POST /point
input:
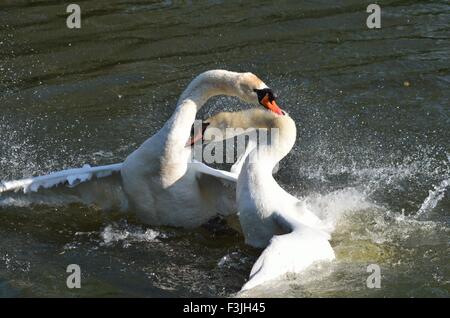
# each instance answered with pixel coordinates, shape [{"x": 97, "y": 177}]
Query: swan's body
[{"x": 270, "y": 217}]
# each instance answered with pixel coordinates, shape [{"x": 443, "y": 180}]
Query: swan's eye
[
  {"x": 266, "y": 97},
  {"x": 265, "y": 92}
]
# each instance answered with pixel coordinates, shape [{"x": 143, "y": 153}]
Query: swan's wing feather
[
  {"x": 100, "y": 186},
  {"x": 291, "y": 223},
  {"x": 202, "y": 168},
  {"x": 290, "y": 253},
  {"x": 70, "y": 177},
  {"x": 218, "y": 187}
]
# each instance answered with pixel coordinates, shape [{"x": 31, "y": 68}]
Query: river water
[{"x": 372, "y": 155}]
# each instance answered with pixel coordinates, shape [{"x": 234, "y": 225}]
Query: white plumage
[{"x": 293, "y": 237}]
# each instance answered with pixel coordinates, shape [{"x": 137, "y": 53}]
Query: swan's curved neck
[
  {"x": 207, "y": 85},
  {"x": 280, "y": 132},
  {"x": 203, "y": 87},
  {"x": 266, "y": 156}
]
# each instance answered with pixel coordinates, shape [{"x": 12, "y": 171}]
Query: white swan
[
  {"x": 161, "y": 183},
  {"x": 271, "y": 218}
]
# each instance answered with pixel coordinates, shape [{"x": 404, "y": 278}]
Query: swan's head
[
  {"x": 254, "y": 91},
  {"x": 226, "y": 125}
]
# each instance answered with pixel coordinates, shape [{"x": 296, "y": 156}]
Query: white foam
[
  {"x": 331, "y": 207},
  {"x": 113, "y": 234}
]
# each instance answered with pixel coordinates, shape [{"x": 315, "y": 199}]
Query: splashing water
[
  {"x": 128, "y": 235},
  {"x": 433, "y": 199},
  {"x": 121, "y": 233},
  {"x": 371, "y": 157}
]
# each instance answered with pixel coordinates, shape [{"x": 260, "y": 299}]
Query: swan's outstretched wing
[
  {"x": 200, "y": 167},
  {"x": 290, "y": 253},
  {"x": 218, "y": 187},
  {"x": 69, "y": 177},
  {"x": 100, "y": 186}
]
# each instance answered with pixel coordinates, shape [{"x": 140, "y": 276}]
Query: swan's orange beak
[
  {"x": 271, "y": 104},
  {"x": 196, "y": 136},
  {"x": 194, "y": 139},
  {"x": 266, "y": 97}
]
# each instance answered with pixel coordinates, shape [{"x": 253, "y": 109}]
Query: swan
[
  {"x": 271, "y": 218},
  {"x": 162, "y": 187},
  {"x": 160, "y": 181}
]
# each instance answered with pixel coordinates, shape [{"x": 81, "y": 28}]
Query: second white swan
[{"x": 271, "y": 218}]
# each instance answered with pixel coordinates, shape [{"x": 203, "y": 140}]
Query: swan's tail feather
[{"x": 70, "y": 177}]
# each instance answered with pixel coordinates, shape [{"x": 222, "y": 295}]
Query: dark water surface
[{"x": 373, "y": 154}]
